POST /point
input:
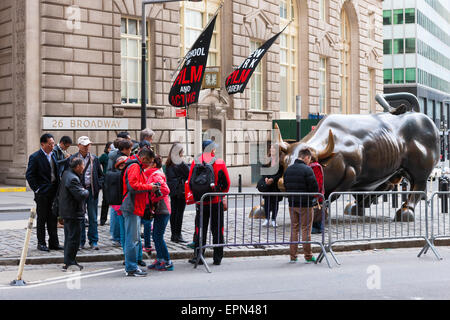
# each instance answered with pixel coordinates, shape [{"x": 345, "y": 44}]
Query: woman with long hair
[{"x": 177, "y": 172}]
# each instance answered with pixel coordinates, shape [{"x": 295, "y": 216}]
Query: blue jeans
[
  {"x": 147, "y": 232},
  {"x": 114, "y": 228},
  {"x": 159, "y": 227},
  {"x": 121, "y": 223},
  {"x": 92, "y": 210}
]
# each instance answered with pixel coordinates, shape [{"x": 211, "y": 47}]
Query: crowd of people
[{"x": 67, "y": 187}]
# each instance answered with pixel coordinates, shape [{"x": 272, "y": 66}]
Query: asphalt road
[{"x": 382, "y": 274}]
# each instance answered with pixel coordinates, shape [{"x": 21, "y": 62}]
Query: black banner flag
[
  {"x": 189, "y": 80},
  {"x": 238, "y": 79}
]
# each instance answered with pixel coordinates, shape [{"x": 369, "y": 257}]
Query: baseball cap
[
  {"x": 209, "y": 144},
  {"x": 84, "y": 141}
]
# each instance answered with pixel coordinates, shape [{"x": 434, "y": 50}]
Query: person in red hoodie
[
  {"x": 161, "y": 207},
  {"x": 317, "y": 226},
  {"x": 212, "y": 209},
  {"x": 135, "y": 192}
]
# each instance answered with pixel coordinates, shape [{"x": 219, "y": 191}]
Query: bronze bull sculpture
[{"x": 373, "y": 152}]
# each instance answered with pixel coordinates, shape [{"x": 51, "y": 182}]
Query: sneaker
[
  {"x": 217, "y": 262},
  {"x": 293, "y": 260},
  {"x": 141, "y": 263},
  {"x": 312, "y": 260},
  {"x": 163, "y": 266},
  {"x": 136, "y": 273},
  {"x": 169, "y": 266},
  {"x": 274, "y": 224},
  {"x": 265, "y": 223},
  {"x": 191, "y": 245},
  {"x": 153, "y": 264},
  {"x": 64, "y": 268},
  {"x": 94, "y": 246}
]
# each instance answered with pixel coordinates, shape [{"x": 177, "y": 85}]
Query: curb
[{"x": 234, "y": 253}]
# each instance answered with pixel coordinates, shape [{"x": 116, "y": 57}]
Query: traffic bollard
[{"x": 18, "y": 281}]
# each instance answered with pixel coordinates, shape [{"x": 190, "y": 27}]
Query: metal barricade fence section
[
  {"x": 244, "y": 222},
  {"x": 440, "y": 216}
]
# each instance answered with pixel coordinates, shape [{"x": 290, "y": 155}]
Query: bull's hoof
[
  {"x": 353, "y": 210},
  {"x": 404, "y": 215}
]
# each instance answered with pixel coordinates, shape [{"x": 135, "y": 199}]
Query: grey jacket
[{"x": 72, "y": 196}]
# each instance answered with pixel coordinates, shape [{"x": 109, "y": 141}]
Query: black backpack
[
  {"x": 202, "y": 178},
  {"x": 113, "y": 185}
]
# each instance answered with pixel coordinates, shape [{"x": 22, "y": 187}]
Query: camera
[{"x": 158, "y": 192}]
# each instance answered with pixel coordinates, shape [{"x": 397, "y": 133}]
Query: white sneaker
[
  {"x": 265, "y": 223},
  {"x": 274, "y": 224}
]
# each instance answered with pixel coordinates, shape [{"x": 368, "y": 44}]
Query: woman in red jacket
[
  {"x": 317, "y": 226},
  {"x": 161, "y": 206}
]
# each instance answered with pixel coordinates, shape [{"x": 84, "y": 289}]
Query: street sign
[
  {"x": 181, "y": 113},
  {"x": 75, "y": 123}
]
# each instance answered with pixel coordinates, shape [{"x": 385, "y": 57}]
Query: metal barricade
[
  {"x": 372, "y": 216},
  {"x": 439, "y": 219},
  {"x": 242, "y": 227}
]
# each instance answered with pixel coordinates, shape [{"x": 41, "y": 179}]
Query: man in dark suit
[{"x": 43, "y": 178}]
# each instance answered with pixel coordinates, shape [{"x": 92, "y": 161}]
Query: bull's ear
[
  {"x": 283, "y": 145},
  {"x": 325, "y": 162}
]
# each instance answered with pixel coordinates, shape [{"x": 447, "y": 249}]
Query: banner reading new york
[
  {"x": 186, "y": 87},
  {"x": 238, "y": 79}
]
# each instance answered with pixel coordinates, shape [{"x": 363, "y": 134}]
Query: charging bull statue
[{"x": 373, "y": 152}]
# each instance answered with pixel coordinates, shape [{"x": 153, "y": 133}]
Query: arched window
[
  {"x": 194, "y": 17},
  {"x": 288, "y": 56},
  {"x": 344, "y": 64}
]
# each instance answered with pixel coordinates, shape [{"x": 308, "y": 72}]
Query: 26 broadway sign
[{"x": 56, "y": 123}]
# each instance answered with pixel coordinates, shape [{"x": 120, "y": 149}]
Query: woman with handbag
[
  {"x": 177, "y": 172},
  {"x": 269, "y": 183},
  {"x": 161, "y": 208},
  {"x": 317, "y": 226}
]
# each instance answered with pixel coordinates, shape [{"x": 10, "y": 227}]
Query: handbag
[
  {"x": 188, "y": 195},
  {"x": 225, "y": 204},
  {"x": 318, "y": 213},
  {"x": 262, "y": 185}
]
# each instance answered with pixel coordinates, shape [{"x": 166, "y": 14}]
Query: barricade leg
[
  {"x": 429, "y": 245},
  {"x": 323, "y": 255}
]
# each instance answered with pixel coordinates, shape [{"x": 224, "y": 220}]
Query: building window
[
  {"x": 387, "y": 17},
  {"x": 398, "y": 16},
  {"x": 387, "y": 76},
  {"x": 399, "y": 76},
  {"x": 371, "y": 90},
  {"x": 344, "y": 65},
  {"x": 194, "y": 18},
  {"x": 256, "y": 82},
  {"x": 323, "y": 85},
  {"x": 410, "y": 45},
  {"x": 323, "y": 10},
  {"x": 130, "y": 40},
  {"x": 410, "y": 75},
  {"x": 387, "y": 46},
  {"x": 283, "y": 9},
  {"x": 398, "y": 46},
  {"x": 288, "y": 63},
  {"x": 410, "y": 15}
]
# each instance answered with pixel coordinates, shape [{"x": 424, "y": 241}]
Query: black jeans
[
  {"x": 45, "y": 217},
  {"x": 271, "y": 205},
  {"x": 177, "y": 206},
  {"x": 104, "y": 213},
  {"x": 72, "y": 236},
  {"x": 213, "y": 212}
]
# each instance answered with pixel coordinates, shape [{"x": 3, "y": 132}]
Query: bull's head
[{"x": 289, "y": 153}]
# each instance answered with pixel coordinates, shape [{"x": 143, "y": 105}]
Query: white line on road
[{"x": 56, "y": 280}]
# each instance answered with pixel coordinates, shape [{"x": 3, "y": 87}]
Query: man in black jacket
[
  {"x": 43, "y": 178},
  {"x": 72, "y": 202},
  {"x": 92, "y": 180},
  {"x": 60, "y": 151},
  {"x": 299, "y": 177}
]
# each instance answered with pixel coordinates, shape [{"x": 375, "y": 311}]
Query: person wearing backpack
[
  {"x": 177, "y": 172},
  {"x": 161, "y": 208},
  {"x": 135, "y": 198},
  {"x": 209, "y": 174}
]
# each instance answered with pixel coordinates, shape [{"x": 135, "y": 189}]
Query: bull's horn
[
  {"x": 283, "y": 145},
  {"x": 328, "y": 151}
]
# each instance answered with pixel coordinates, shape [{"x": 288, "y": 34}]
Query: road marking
[
  {"x": 56, "y": 280},
  {"x": 17, "y": 189}
]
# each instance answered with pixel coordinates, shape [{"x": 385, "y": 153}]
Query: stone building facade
[{"x": 65, "y": 60}]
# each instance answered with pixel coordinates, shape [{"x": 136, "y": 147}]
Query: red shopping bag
[{"x": 189, "y": 196}]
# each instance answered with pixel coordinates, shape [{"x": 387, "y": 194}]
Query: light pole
[{"x": 144, "y": 55}]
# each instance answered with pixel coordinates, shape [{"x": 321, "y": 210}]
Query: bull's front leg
[{"x": 406, "y": 212}]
